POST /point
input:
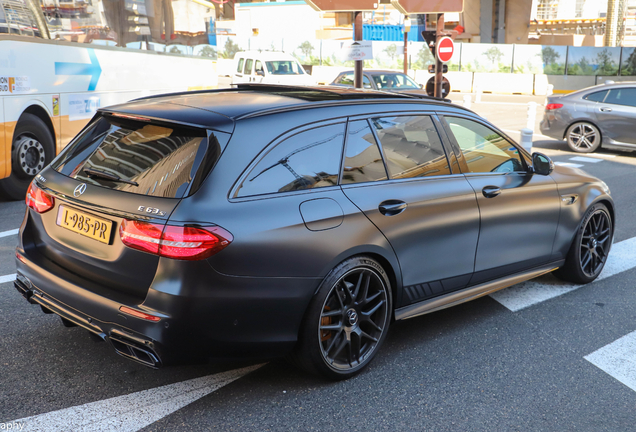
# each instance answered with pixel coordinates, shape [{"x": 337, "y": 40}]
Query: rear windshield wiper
[{"x": 107, "y": 176}]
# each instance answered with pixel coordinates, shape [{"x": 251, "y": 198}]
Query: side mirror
[
  {"x": 421, "y": 86},
  {"x": 260, "y": 72},
  {"x": 541, "y": 164}
]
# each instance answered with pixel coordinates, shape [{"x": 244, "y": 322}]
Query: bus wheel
[{"x": 32, "y": 149}]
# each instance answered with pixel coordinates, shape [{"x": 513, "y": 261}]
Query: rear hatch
[{"x": 121, "y": 169}]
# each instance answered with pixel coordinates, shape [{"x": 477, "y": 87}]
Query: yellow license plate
[{"x": 85, "y": 224}]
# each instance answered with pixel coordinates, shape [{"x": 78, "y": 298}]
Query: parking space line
[
  {"x": 133, "y": 411},
  {"x": 9, "y": 233},
  {"x": 586, "y": 159},
  {"x": 568, "y": 164},
  {"x": 7, "y": 278},
  {"x": 617, "y": 359},
  {"x": 622, "y": 257}
]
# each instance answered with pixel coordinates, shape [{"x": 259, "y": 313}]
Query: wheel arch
[
  {"x": 386, "y": 258},
  {"x": 40, "y": 112}
]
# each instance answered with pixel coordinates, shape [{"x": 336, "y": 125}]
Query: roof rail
[{"x": 310, "y": 92}]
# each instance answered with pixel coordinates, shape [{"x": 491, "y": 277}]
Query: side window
[
  {"x": 622, "y": 96},
  {"x": 248, "y": 66},
  {"x": 258, "y": 66},
  {"x": 239, "y": 68},
  {"x": 365, "y": 82},
  {"x": 346, "y": 79},
  {"x": 484, "y": 149},
  {"x": 596, "y": 96},
  {"x": 412, "y": 147},
  {"x": 307, "y": 160},
  {"x": 363, "y": 162}
]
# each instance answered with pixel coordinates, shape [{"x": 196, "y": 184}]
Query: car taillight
[
  {"x": 172, "y": 241},
  {"x": 553, "y": 106},
  {"x": 39, "y": 200}
]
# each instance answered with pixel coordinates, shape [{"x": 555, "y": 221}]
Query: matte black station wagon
[{"x": 266, "y": 221}]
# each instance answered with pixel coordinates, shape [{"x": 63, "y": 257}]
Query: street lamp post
[{"x": 407, "y": 29}]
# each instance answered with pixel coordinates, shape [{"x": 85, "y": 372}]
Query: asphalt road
[{"x": 565, "y": 363}]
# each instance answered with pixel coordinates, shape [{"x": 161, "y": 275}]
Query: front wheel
[
  {"x": 32, "y": 149},
  {"x": 583, "y": 137},
  {"x": 590, "y": 248},
  {"x": 347, "y": 320}
]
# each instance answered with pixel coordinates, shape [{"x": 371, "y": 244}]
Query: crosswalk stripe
[
  {"x": 622, "y": 257},
  {"x": 568, "y": 164},
  {"x": 133, "y": 411},
  {"x": 617, "y": 359},
  {"x": 586, "y": 159}
]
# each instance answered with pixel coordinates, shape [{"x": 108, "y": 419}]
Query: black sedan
[{"x": 268, "y": 221}]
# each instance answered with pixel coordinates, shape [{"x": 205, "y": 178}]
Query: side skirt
[{"x": 468, "y": 294}]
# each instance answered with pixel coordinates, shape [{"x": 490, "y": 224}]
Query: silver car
[{"x": 603, "y": 115}]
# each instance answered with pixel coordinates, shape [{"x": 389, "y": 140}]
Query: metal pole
[
  {"x": 406, "y": 41},
  {"x": 357, "y": 71},
  {"x": 439, "y": 75}
]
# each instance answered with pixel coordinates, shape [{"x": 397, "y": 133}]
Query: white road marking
[
  {"x": 604, "y": 155},
  {"x": 133, "y": 411},
  {"x": 586, "y": 159},
  {"x": 622, "y": 257},
  {"x": 7, "y": 278},
  {"x": 9, "y": 233},
  {"x": 568, "y": 164},
  {"x": 618, "y": 359}
]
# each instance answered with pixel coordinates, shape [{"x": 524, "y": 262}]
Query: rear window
[{"x": 160, "y": 160}]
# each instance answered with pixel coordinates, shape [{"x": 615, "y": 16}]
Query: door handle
[
  {"x": 392, "y": 207},
  {"x": 491, "y": 191},
  {"x": 606, "y": 109}
]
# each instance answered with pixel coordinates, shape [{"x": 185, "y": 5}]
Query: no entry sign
[{"x": 445, "y": 48}]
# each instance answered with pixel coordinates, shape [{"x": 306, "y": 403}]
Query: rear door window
[
  {"x": 596, "y": 96},
  {"x": 239, "y": 68},
  {"x": 307, "y": 160},
  {"x": 411, "y": 146},
  {"x": 144, "y": 158}
]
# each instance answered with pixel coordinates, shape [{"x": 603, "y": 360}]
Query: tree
[
  {"x": 493, "y": 54},
  {"x": 391, "y": 51},
  {"x": 423, "y": 58},
  {"x": 606, "y": 65},
  {"x": 306, "y": 48},
  {"x": 208, "y": 51},
  {"x": 174, "y": 50},
  {"x": 230, "y": 49},
  {"x": 629, "y": 65},
  {"x": 549, "y": 55}
]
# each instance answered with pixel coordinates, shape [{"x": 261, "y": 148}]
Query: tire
[
  {"x": 591, "y": 245},
  {"x": 347, "y": 320},
  {"x": 32, "y": 149},
  {"x": 583, "y": 137}
]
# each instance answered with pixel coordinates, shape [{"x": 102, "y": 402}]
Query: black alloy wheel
[
  {"x": 595, "y": 243},
  {"x": 353, "y": 319},
  {"x": 590, "y": 247},
  {"x": 347, "y": 321}
]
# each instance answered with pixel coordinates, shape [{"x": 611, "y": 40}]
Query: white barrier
[
  {"x": 526, "y": 139},
  {"x": 507, "y": 83}
]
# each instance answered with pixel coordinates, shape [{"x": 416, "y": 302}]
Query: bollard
[
  {"x": 477, "y": 94},
  {"x": 550, "y": 91},
  {"x": 532, "y": 115},
  {"x": 467, "y": 101},
  {"x": 526, "y": 139}
]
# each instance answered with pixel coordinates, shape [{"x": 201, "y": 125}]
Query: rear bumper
[{"x": 203, "y": 314}]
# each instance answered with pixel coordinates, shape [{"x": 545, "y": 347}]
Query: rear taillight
[
  {"x": 553, "y": 106},
  {"x": 172, "y": 241},
  {"x": 39, "y": 200}
]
